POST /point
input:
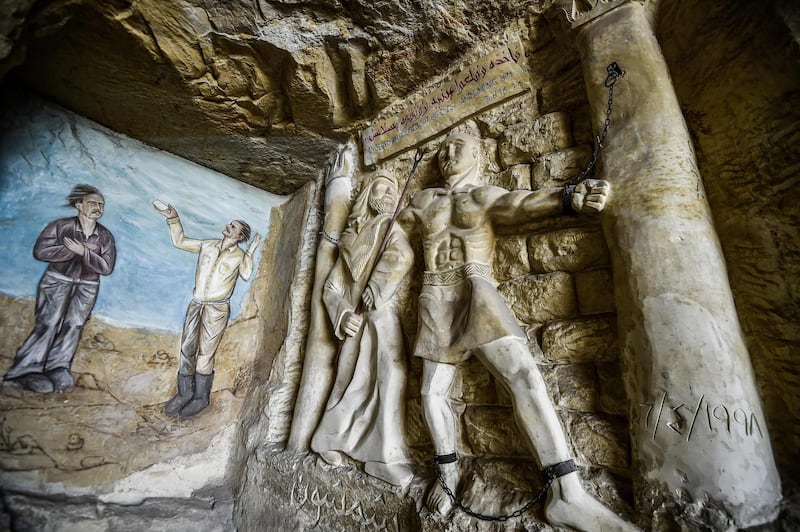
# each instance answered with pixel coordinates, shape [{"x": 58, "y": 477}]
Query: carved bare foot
[
  {"x": 398, "y": 474},
  {"x": 438, "y": 501},
  {"x": 334, "y": 458},
  {"x": 568, "y": 504}
]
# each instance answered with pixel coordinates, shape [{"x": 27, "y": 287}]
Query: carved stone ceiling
[{"x": 259, "y": 90}]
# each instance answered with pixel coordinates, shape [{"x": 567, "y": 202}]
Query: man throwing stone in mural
[
  {"x": 461, "y": 314},
  {"x": 78, "y": 251},
  {"x": 219, "y": 265}
]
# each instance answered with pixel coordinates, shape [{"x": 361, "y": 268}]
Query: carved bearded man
[
  {"x": 461, "y": 314},
  {"x": 365, "y": 414}
]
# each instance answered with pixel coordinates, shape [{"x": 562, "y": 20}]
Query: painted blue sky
[{"x": 45, "y": 151}]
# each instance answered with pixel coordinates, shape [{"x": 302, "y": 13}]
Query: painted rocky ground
[{"x": 108, "y": 436}]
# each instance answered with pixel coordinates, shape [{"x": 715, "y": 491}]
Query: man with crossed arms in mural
[
  {"x": 461, "y": 314},
  {"x": 78, "y": 251}
]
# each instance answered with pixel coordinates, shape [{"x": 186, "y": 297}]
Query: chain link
[
  {"x": 483, "y": 517},
  {"x": 614, "y": 73}
]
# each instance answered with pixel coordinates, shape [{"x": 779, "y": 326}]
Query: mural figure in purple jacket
[{"x": 78, "y": 251}]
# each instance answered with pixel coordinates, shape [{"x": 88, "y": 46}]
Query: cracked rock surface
[{"x": 262, "y": 91}]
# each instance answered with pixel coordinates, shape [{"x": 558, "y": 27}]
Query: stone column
[{"x": 700, "y": 442}]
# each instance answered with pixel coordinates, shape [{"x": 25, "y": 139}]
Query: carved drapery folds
[
  {"x": 317, "y": 376},
  {"x": 365, "y": 414}
]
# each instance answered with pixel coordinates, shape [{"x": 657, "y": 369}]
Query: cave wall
[
  {"x": 266, "y": 91},
  {"x": 736, "y": 71}
]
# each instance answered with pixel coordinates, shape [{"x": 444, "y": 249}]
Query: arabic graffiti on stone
[
  {"x": 442, "y": 96},
  {"x": 496, "y": 77},
  {"x": 317, "y": 501}
]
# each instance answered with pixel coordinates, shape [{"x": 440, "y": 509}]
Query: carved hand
[
  {"x": 351, "y": 323},
  {"x": 344, "y": 164},
  {"x": 590, "y": 196},
  {"x": 92, "y": 246},
  {"x": 368, "y": 298}
]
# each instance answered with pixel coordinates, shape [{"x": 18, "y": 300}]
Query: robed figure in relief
[{"x": 365, "y": 414}]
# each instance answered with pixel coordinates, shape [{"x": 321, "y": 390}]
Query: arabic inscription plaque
[{"x": 496, "y": 77}]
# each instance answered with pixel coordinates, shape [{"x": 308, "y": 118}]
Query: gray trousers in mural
[
  {"x": 202, "y": 332},
  {"x": 62, "y": 307}
]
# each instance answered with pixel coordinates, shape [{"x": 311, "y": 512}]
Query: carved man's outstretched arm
[{"x": 520, "y": 206}]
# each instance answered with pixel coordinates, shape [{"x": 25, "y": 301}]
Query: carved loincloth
[{"x": 460, "y": 310}]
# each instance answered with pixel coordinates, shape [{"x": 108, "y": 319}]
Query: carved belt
[{"x": 458, "y": 274}]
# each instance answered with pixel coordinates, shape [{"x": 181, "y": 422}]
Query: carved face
[
  {"x": 382, "y": 198},
  {"x": 91, "y": 206},
  {"x": 457, "y": 154}
]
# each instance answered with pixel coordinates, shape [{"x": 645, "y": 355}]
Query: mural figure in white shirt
[{"x": 220, "y": 263}]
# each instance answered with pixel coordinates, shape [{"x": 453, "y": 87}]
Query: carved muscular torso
[
  {"x": 460, "y": 309},
  {"x": 455, "y": 225}
]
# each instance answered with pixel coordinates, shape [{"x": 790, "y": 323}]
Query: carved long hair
[{"x": 360, "y": 212}]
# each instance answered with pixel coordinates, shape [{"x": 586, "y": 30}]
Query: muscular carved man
[{"x": 461, "y": 314}]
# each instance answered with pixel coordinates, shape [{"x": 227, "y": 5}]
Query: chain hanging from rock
[{"x": 550, "y": 474}]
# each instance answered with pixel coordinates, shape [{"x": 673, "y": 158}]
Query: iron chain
[
  {"x": 614, "y": 73},
  {"x": 483, "y": 517}
]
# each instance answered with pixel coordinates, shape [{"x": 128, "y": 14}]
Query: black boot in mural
[
  {"x": 182, "y": 397},
  {"x": 202, "y": 392}
]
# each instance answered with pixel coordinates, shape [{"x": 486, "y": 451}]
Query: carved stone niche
[
  {"x": 495, "y": 455},
  {"x": 568, "y": 282}
]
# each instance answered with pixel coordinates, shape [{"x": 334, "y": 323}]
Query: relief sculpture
[
  {"x": 461, "y": 314},
  {"x": 318, "y": 367},
  {"x": 365, "y": 413}
]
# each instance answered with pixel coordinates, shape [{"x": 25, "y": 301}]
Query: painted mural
[
  {"x": 124, "y": 268},
  {"x": 45, "y": 151}
]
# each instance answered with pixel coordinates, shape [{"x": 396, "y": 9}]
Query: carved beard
[{"x": 382, "y": 205}]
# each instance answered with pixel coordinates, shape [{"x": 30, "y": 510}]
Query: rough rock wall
[
  {"x": 725, "y": 62},
  {"x": 261, "y": 91},
  {"x": 740, "y": 97}
]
